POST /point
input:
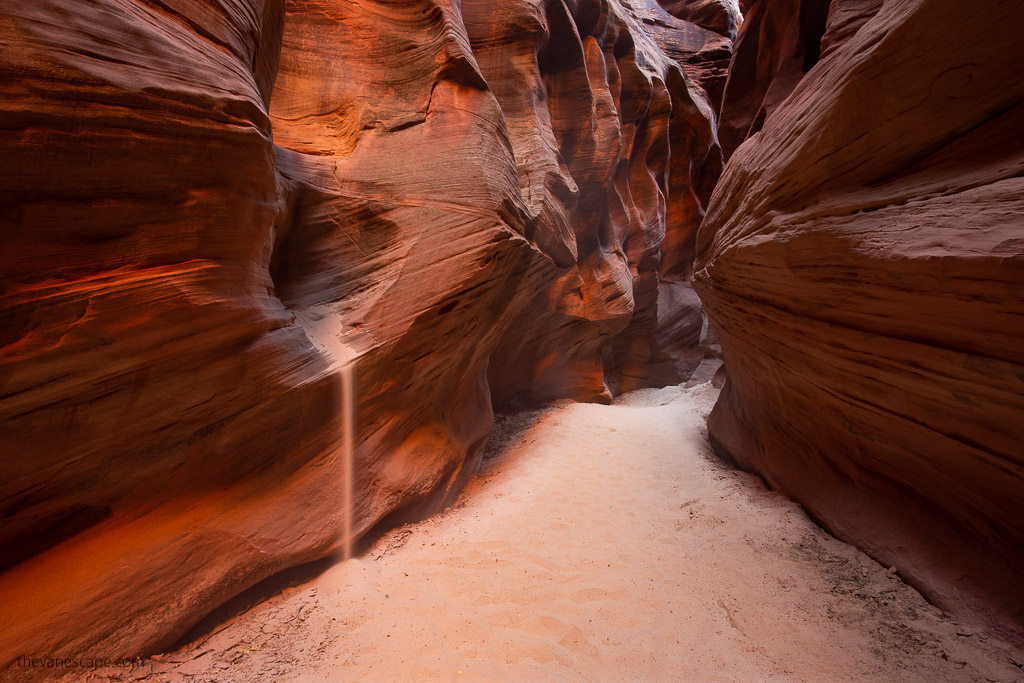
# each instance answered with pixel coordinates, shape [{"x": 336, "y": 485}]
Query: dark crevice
[{"x": 813, "y": 21}]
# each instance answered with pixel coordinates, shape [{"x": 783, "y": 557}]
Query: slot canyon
[{"x": 511, "y": 340}]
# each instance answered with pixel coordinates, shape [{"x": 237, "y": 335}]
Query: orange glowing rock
[{"x": 212, "y": 206}]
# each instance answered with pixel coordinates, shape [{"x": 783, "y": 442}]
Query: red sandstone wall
[
  {"x": 209, "y": 208},
  {"x": 861, "y": 261}
]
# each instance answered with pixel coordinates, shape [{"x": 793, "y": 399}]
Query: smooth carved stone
[
  {"x": 147, "y": 371},
  {"x": 703, "y": 54},
  {"x": 720, "y": 16},
  {"x": 845, "y": 17},
  {"x": 632, "y": 183},
  {"x": 213, "y": 208},
  {"x": 779, "y": 41},
  {"x": 861, "y": 260}
]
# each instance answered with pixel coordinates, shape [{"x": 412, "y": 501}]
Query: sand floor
[{"x": 601, "y": 543}]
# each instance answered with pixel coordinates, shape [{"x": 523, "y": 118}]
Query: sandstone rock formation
[
  {"x": 780, "y": 40},
  {"x": 845, "y": 17},
  {"x": 720, "y": 16},
  {"x": 628, "y": 185},
  {"x": 703, "y": 53},
  {"x": 862, "y": 262},
  {"x": 210, "y": 209}
]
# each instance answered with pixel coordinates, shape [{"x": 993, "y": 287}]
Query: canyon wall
[
  {"x": 861, "y": 260},
  {"x": 213, "y": 210}
]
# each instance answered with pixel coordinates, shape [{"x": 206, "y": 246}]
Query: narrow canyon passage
[
  {"x": 601, "y": 543},
  {"x": 268, "y": 269}
]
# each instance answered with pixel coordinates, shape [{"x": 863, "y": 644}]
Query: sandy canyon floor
[{"x": 600, "y": 543}]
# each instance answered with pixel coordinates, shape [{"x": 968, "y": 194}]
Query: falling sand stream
[
  {"x": 601, "y": 543},
  {"x": 348, "y": 427},
  {"x": 327, "y": 330}
]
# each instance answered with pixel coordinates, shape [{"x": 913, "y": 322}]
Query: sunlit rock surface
[
  {"x": 720, "y": 16},
  {"x": 862, "y": 262},
  {"x": 615, "y": 153},
  {"x": 210, "y": 208}
]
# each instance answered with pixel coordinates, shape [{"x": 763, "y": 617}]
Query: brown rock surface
[
  {"x": 703, "y": 54},
  {"x": 630, "y": 184},
  {"x": 192, "y": 252},
  {"x": 779, "y": 41},
  {"x": 845, "y": 17},
  {"x": 720, "y": 16},
  {"x": 861, "y": 260},
  {"x": 147, "y": 370}
]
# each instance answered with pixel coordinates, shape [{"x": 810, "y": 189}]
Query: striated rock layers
[
  {"x": 703, "y": 53},
  {"x": 863, "y": 262},
  {"x": 720, "y": 16},
  {"x": 778, "y": 43},
  {"x": 212, "y": 210},
  {"x": 613, "y": 201}
]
